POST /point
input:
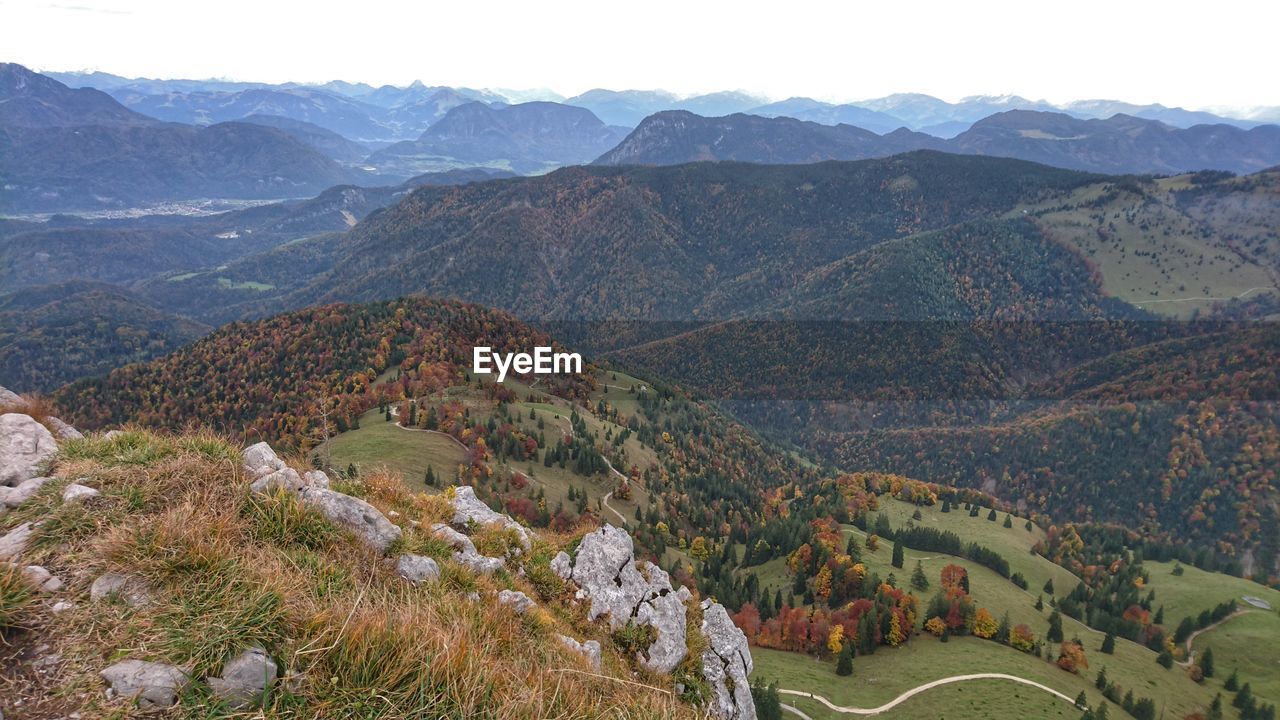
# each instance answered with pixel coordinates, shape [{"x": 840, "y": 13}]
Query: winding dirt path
[
  {"x": 919, "y": 689},
  {"x": 1191, "y": 654}
]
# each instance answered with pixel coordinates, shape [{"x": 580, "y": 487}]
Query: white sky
[{"x": 1194, "y": 54}]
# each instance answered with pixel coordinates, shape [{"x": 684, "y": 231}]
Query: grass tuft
[{"x": 15, "y": 596}]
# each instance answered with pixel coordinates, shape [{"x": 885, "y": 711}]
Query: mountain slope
[
  {"x": 29, "y": 99},
  {"x": 529, "y": 137},
  {"x": 1121, "y": 144},
  {"x": 677, "y": 136},
  {"x": 695, "y": 241},
  {"x": 53, "y": 334},
  {"x": 93, "y": 153},
  {"x": 810, "y": 110},
  {"x": 330, "y": 143}
]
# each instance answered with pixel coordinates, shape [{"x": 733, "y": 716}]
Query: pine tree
[
  {"x": 1101, "y": 682},
  {"x": 1055, "y": 627},
  {"x": 992, "y": 515},
  {"x": 946, "y": 506},
  {"x": 1048, "y": 586},
  {"x": 919, "y": 580},
  {"x": 898, "y": 558},
  {"x": 1206, "y": 663},
  {"x": 844, "y": 666},
  {"x": 1165, "y": 659},
  {"x": 1004, "y": 630},
  {"x": 1233, "y": 683},
  {"x": 1008, "y": 521},
  {"x": 1244, "y": 697},
  {"x": 1109, "y": 643},
  {"x": 1215, "y": 708},
  {"x": 431, "y": 476},
  {"x": 1082, "y": 700},
  {"x": 1039, "y": 602}
]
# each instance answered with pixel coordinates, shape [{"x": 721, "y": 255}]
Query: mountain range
[{"x": 1120, "y": 144}]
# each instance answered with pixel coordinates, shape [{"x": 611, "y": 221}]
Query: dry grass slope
[{"x": 228, "y": 570}]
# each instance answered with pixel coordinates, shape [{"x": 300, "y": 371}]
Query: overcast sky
[{"x": 1201, "y": 54}]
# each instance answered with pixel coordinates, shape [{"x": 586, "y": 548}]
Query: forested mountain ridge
[
  {"x": 695, "y": 241},
  {"x": 1119, "y": 144}
]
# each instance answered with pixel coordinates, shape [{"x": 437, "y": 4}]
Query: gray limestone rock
[
  {"x": 286, "y": 479},
  {"x": 244, "y": 679},
  {"x": 14, "y": 544},
  {"x": 24, "y": 491},
  {"x": 25, "y": 445},
  {"x": 562, "y": 565},
  {"x": 354, "y": 514},
  {"x": 624, "y": 591},
  {"x": 467, "y": 508},
  {"x": 261, "y": 460},
  {"x": 516, "y": 600},
  {"x": 589, "y": 649},
  {"x": 130, "y": 590},
  {"x": 76, "y": 491},
  {"x": 726, "y": 662},
  {"x": 62, "y": 430},
  {"x": 153, "y": 685},
  {"x": 417, "y": 568}
]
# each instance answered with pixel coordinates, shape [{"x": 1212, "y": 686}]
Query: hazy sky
[{"x": 1202, "y": 54}]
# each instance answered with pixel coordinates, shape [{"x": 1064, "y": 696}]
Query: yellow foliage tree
[
  {"x": 935, "y": 626},
  {"x": 835, "y": 640},
  {"x": 699, "y": 549},
  {"x": 896, "y": 636},
  {"x": 822, "y": 583},
  {"x": 984, "y": 625}
]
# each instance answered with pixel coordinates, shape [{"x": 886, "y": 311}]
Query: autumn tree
[
  {"x": 984, "y": 625},
  {"x": 1071, "y": 657}
]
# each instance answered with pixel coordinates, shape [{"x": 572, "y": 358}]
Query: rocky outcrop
[
  {"x": 155, "y": 686},
  {"x": 25, "y": 445},
  {"x": 24, "y": 491},
  {"x": 354, "y": 514},
  {"x": 589, "y": 649},
  {"x": 726, "y": 664},
  {"x": 244, "y": 679},
  {"x": 468, "y": 510},
  {"x": 417, "y": 568},
  {"x": 623, "y": 590}
]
